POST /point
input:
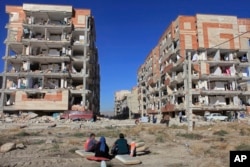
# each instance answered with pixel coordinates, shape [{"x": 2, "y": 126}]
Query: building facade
[
  {"x": 51, "y": 60},
  {"x": 148, "y": 83},
  {"x": 121, "y": 103},
  {"x": 126, "y": 103},
  {"x": 203, "y": 66},
  {"x": 133, "y": 104}
]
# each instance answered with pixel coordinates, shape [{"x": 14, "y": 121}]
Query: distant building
[
  {"x": 126, "y": 103},
  {"x": 148, "y": 84},
  {"x": 218, "y": 81},
  {"x": 51, "y": 60},
  {"x": 132, "y": 101},
  {"x": 121, "y": 105}
]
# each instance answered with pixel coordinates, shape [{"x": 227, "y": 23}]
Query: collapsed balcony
[
  {"x": 49, "y": 18},
  {"x": 41, "y": 35},
  {"x": 217, "y": 102}
]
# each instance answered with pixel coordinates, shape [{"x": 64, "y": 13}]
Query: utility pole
[
  {"x": 189, "y": 104},
  {"x": 130, "y": 105},
  {"x": 159, "y": 99}
]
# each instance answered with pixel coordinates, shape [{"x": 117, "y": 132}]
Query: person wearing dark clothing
[
  {"x": 236, "y": 115},
  {"x": 102, "y": 149},
  {"x": 120, "y": 146},
  {"x": 166, "y": 119},
  {"x": 94, "y": 118},
  {"x": 154, "y": 119},
  {"x": 180, "y": 116}
]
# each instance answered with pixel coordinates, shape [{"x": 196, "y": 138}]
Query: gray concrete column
[
  {"x": 4, "y": 79},
  {"x": 189, "y": 109}
]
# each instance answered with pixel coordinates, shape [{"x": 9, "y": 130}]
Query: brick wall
[
  {"x": 187, "y": 30},
  {"x": 79, "y": 19},
  {"x": 213, "y": 30},
  {"x": 16, "y": 24}
]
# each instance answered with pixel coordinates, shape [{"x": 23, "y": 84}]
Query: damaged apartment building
[
  {"x": 148, "y": 84},
  {"x": 121, "y": 104},
  {"x": 203, "y": 65},
  {"x": 126, "y": 103},
  {"x": 51, "y": 60}
]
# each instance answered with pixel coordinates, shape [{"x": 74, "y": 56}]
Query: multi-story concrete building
[
  {"x": 141, "y": 83},
  {"x": 204, "y": 65},
  {"x": 121, "y": 104},
  {"x": 133, "y": 104},
  {"x": 126, "y": 103},
  {"x": 51, "y": 60},
  {"x": 152, "y": 84},
  {"x": 148, "y": 82}
]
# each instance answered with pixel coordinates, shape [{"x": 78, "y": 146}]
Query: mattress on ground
[
  {"x": 139, "y": 144},
  {"x": 127, "y": 159},
  {"x": 83, "y": 153},
  {"x": 141, "y": 149}
]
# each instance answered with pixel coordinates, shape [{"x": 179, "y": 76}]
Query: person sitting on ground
[
  {"x": 102, "y": 149},
  {"x": 90, "y": 144},
  {"x": 120, "y": 146}
]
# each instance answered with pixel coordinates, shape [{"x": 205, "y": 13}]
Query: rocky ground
[{"x": 53, "y": 143}]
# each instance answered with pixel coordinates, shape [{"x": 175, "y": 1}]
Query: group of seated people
[{"x": 101, "y": 149}]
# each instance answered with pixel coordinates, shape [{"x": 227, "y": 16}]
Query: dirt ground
[{"x": 174, "y": 146}]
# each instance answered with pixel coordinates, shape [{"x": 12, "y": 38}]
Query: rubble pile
[
  {"x": 29, "y": 117},
  {"x": 78, "y": 108}
]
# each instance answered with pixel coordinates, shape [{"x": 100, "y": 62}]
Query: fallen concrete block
[{"x": 7, "y": 147}]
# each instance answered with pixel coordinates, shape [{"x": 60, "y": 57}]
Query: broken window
[
  {"x": 244, "y": 58},
  {"x": 55, "y": 37},
  {"x": 169, "y": 35},
  {"x": 77, "y": 100},
  {"x": 54, "y": 52},
  {"x": 9, "y": 99},
  {"x": 14, "y": 16},
  {"x": 36, "y": 95},
  {"x": 36, "y": 83},
  {"x": 227, "y": 101},
  {"x": 34, "y": 66},
  {"x": 179, "y": 100},
  {"x": 176, "y": 29},
  {"x": 164, "y": 92},
  {"x": 78, "y": 53},
  {"x": 195, "y": 100}
]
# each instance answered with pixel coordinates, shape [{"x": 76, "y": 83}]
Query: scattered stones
[
  {"x": 47, "y": 119},
  {"x": 31, "y": 115},
  {"x": 50, "y": 141},
  {"x": 22, "y": 126},
  {"x": 25, "y": 118},
  {"x": 52, "y": 125},
  {"x": 20, "y": 146},
  {"x": 8, "y": 120},
  {"x": 76, "y": 126},
  {"x": 7, "y": 147}
]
